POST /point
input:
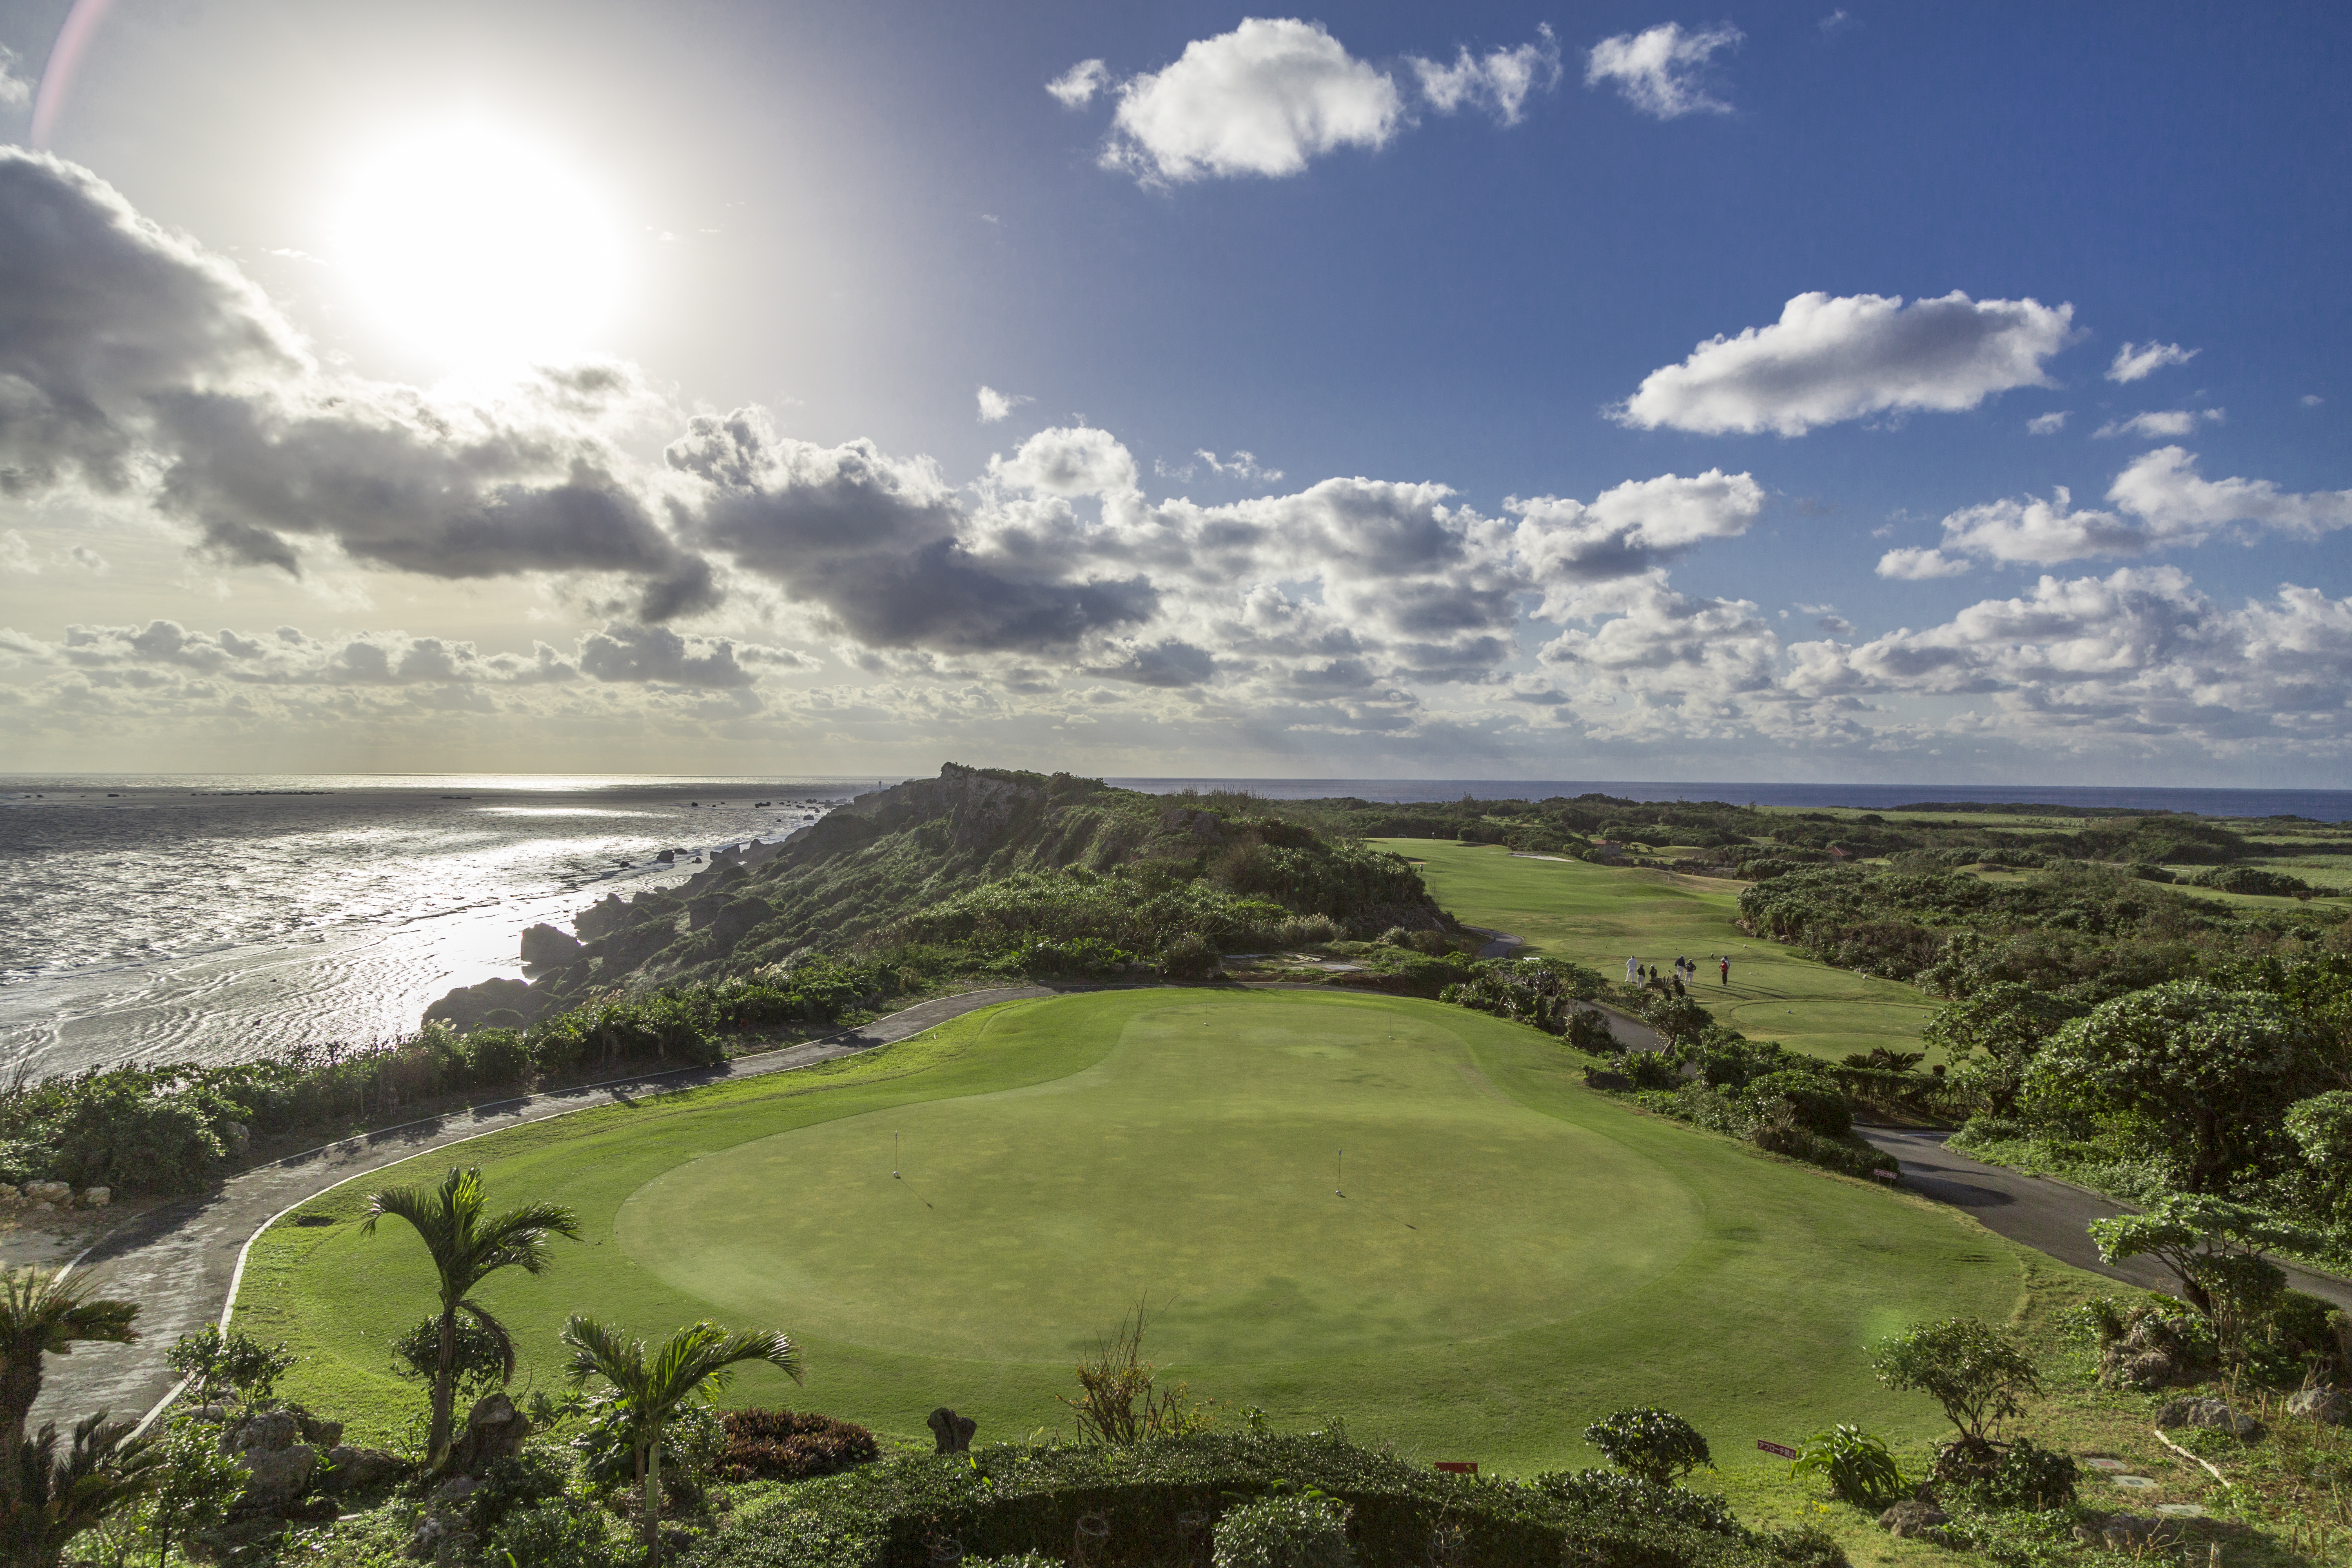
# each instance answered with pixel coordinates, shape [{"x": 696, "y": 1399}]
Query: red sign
[
  {"x": 1459, "y": 1466},
  {"x": 1776, "y": 1448}
]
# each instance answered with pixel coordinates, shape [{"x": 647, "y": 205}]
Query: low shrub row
[{"x": 1003, "y": 1502}]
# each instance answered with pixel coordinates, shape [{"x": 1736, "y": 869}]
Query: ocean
[
  {"x": 162, "y": 918},
  {"x": 209, "y": 917}
]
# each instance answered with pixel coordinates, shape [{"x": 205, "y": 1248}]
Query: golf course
[
  {"x": 1600, "y": 916},
  {"x": 1498, "y": 1256}
]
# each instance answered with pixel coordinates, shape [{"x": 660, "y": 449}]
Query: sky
[{"x": 1629, "y": 391}]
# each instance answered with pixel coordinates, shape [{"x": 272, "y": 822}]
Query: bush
[
  {"x": 1189, "y": 957},
  {"x": 232, "y": 1363},
  {"x": 1814, "y": 1103},
  {"x": 693, "y": 1443},
  {"x": 562, "y": 1533},
  {"x": 1858, "y": 1465},
  {"x": 522, "y": 1480},
  {"x": 1650, "y": 1445},
  {"x": 481, "y": 1361},
  {"x": 1310, "y": 930},
  {"x": 1632, "y": 1499},
  {"x": 1588, "y": 1030},
  {"x": 2253, "y": 879},
  {"x": 779, "y": 1445},
  {"x": 2031, "y": 1477},
  {"x": 1308, "y": 1531}
]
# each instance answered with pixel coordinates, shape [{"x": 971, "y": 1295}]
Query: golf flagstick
[
  {"x": 1342, "y": 1190},
  {"x": 894, "y": 1156}
]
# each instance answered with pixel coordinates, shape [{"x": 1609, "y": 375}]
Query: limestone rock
[
  {"x": 435, "y": 1536},
  {"x": 545, "y": 947},
  {"x": 953, "y": 1432},
  {"x": 97, "y": 1197},
  {"x": 356, "y": 1469},
  {"x": 2126, "y": 1533},
  {"x": 56, "y": 1192},
  {"x": 2212, "y": 1414},
  {"x": 278, "y": 1476},
  {"x": 2154, "y": 1351},
  {"x": 321, "y": 1435},
  {"x": 9, "y": 1195},
  {"x": 494, "y": 1430},
  {"x": 1912, "y": 1517},
  {"x": 266, "y": 1430},
  {"x": 2329, "y": 1406}
]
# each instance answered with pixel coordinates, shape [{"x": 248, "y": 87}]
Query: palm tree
[
  {"x": 653, "y": 1385},
  {"x": 467, "y": 1249},
  {"x": 54, "y": 1500},
  {"x": 41, "y": 1313}
]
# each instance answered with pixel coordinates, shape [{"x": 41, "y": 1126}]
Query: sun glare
[{"x": 470, "y": 246}]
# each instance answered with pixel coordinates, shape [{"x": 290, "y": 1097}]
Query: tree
[
  {"x": 652, "y": 1385},
  {"x": 43, "y": 1313},
  {"x": 2214, "y": 1248},
  {"x": 1965, "y": 1365},
  {"x": 467, "y": 1250},
  {"x": 53, "y": 1499},
  {"x": 2205, "y": 1074},
  {"x": 1992, "y": 1037}
]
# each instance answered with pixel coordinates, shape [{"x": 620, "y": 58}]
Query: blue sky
[{"x": 706, "y": 478}]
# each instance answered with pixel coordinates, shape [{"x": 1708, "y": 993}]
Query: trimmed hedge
[
  {"x": 779, "y": 1445},
  {"x": 1004, "y": 1500}
]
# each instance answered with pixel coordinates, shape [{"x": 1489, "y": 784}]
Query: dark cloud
[
  {"x": 878, "y": 542},
  {"x": 1166, "y": 664}
]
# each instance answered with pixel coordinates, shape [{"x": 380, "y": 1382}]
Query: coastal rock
[
  {"x": 2328, "y": 1406},
  {"x": 605, "y": 916},
  {"x": 53, "y": 1193},
  {"x": 545, "y": 947},
  {"x": 952, "y": 1432},
  {"x": 2211, "y": 1414},
  {"x": 1912, "y": 1517},
  {"x": 469, "y": 1007},
  {"x": 494, "y": 1430},
  {"x": 356, "y": 1469}
]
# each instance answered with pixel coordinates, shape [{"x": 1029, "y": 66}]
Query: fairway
[
  {"x": 1512, "y": 1254},
  {"x": 1603, "y": 915}
]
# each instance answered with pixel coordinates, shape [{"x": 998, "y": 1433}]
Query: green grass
[
  {"x": 1514, "y": 1257},
  {"x": 1603, "y": 915}
]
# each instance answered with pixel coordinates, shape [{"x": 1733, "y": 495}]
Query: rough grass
[
  {"x": 1603, "y": 915},
  {"x": 1515, "y": 1255}
]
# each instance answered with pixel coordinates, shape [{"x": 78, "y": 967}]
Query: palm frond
[
  {"x": 42, "y": 1313},
  {"x": 598, "y": 1351}
]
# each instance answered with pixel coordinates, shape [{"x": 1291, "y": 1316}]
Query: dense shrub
[
  {"x": 1813, "y": 1103},
  {"x": 524, "y": 1480},
  {"x": 560, "y": 1533},
  {"x": 1189, "y": 957},
  {"x": 2254, "y": 879},
  {"x": 1650, "y": 1445},
  {"x": 780, "y": 1445},
  {"x": 1289, "y": 1531},
  {"x": 2030, "y": 1475}
]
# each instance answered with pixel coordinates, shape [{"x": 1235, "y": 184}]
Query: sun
[{"x": 470, "y": 245}]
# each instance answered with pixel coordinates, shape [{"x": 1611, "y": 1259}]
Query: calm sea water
[{"x": 214, "y": 917}]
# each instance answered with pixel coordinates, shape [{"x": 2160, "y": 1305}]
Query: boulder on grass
[
  {"x": 494, "y": 1430},
  {"x": 2328, "y": 1406},
  {"x": 953, "y": 1432},
  {"x": 2211, "y": 1414},
  {"x": 1912, "y": 1517},
  {"x": 356, "y": 1469}
]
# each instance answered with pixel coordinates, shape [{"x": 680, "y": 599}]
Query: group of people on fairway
[{"x": 1684, "y": 970}]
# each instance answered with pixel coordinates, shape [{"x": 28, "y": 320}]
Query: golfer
[{"x": 1726, "y": 971}]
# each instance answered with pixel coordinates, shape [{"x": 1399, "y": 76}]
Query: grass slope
[
  {"x": 1603, "y": 915},
  {"x": 1515, "y": 1255}
]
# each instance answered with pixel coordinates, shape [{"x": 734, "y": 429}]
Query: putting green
[
  {"x": 1458, "y": 1212},
  {"x": 1514, "y": 1255}
]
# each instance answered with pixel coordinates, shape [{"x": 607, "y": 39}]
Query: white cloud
[
  {"x": 1077, "y": 86},
  {"x": 1828, "y": 358},
  {"x": 1498, "y": 80},
  {"x": 2042, "y": 533},
  {"x": 2137, "y": 361},
  {"x": 1835, "y": 21},
  {"x": 2047, "y": 423},
  {"x": 2159, "y": 425},
  {"x": 1660, "y": 71},
  {"x": 16, "y": 88},
  {"x": 2311, "y": 400},
  {"x": 2164, "y": 488},
  {"x": 1920, "y": 566},
  {"x": 994, "y": 405},
  {"x": 15, "y": 556},
  {"x": 1261, "y": 99},
  {"x": 1631, "y": 531},
  {"x": 1076, "y": 460}
]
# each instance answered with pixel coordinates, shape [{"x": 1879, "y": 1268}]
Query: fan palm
[
  {"x": 53, "y": 1499},
  {"x": 43, "y": 1313},
  {"x": 653, "y": 1385},
  {"x": 467, "y": 1250}
]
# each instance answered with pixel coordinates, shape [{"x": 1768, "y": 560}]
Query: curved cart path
[
  {"x": 2049, "y": 1216},
  {"x": 180, "y": 1262}
]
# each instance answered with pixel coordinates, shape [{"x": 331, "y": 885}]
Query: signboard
[{"x": 1785, "y": 1453}]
